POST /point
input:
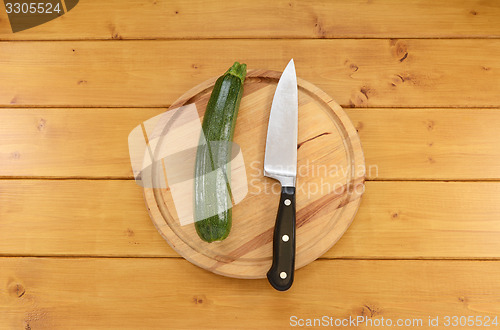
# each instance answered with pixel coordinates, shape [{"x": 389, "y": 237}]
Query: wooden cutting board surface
[{"x": 330, "y": 182}]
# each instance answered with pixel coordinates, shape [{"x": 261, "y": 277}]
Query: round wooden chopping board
[{"x": 330, "y": 182}]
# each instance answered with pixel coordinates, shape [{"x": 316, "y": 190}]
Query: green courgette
[{"x": 212, "y": 200}]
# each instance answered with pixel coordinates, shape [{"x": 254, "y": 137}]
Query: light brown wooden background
[{"x": 419, "y": 79}]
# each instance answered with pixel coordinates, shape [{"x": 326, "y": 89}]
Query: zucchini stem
[{"x": 238, "y": 70}]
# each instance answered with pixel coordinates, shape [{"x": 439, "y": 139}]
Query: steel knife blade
[{"x": 280, "y": 163}]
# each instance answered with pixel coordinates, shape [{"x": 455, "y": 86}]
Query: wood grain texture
[
  {"x": 68, "y": 142},
  {"x": 355, "y": 73},
  {"x": 399, "y": 220},
  {"x": 408, "y": 144},
  {"x": 330, "y": 178},
  {"x": 150, "y": 293},
  {"x": 424, "y": 220},
  {"x": 449, "y": 144},
  {"x": 76, "y": 217},
  {"x": 398, "y": 82},
  {"x": 136, "y": 19}
]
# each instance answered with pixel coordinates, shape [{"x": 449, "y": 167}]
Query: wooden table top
[{"x": 420, "y": 80}]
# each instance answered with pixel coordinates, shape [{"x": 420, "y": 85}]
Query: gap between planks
[
  {"x": 248, "y": 38},
  {"x": 117, "y": 178},
  {"x": 90, "y": 256},
  {"x": 125, "y": 107}
]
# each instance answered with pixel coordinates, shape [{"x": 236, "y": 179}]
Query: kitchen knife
[{"x": 280, "y": 163}]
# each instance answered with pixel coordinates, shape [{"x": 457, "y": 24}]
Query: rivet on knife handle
[{"x": 282, "y": 270}]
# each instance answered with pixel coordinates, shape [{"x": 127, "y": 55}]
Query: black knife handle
[{"x": 282, "y": 270}]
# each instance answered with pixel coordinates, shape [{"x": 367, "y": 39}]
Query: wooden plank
[
  {"x": 356, "y": 73},
  {"x": 424, "y": 220},
  {"x": 135, "y": 19},
  {"x": 150, "y": 293},
  {"x": 453, "y": 144},
  {"x": 68, "y": 142},
  {"x": 109, "y": 218},
  {"x": 77, "y": 217}
]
